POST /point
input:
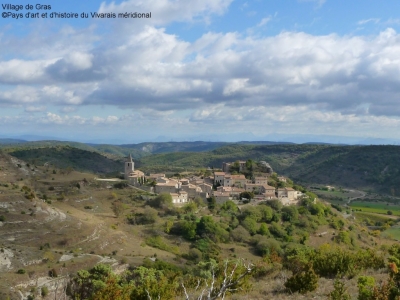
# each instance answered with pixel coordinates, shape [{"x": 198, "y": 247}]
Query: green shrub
[
  {"x": 339, "y": 291},
  {"x": 365, "y": 287},
  {"x": 304, "y": 281},
  {"x": 44, "y": 291},
  {"x": 21, "y": 271}
]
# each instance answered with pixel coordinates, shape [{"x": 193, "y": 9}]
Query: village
[{"x": 228, "y": 184}]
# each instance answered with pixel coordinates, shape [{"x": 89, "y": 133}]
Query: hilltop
[{"x": 66, "y": 157}]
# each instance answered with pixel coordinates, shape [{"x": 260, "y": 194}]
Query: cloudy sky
[{"x": 301, "y": 70}]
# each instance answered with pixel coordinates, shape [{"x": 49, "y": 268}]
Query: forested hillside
[
  {"x": 70, "y": 158},
  {"x": 366, "y": 167},
  {"x": 371, "y": 167}
]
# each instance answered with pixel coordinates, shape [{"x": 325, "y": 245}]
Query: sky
[{"x": 211, "y": 70}]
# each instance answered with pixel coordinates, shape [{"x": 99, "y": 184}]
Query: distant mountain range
[{"x": 217, "y": 137}]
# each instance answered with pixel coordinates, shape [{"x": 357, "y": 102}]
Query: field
[
  {"x": 376, "y": 207},
  {"x": 337, "y": 196},
  {"x": 373, "y": 218},
  {"x": 393, "y": 232}
]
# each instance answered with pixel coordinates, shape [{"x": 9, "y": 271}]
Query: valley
[{"x": 60, "y": 214}]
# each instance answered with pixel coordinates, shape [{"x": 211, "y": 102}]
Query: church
[{"x": 133, "y": 177}]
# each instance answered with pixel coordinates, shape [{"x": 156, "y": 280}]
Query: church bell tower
[{"x": 129, "y": 166}]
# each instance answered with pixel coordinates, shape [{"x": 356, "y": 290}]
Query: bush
[
  {"x": 240, "y": 234},
  {"x": 304, "y": 281},
  {"x": 250, "y": 224},
  {"x": 120, "y": 185},
  {"x": 265, "y": 246},
  {"x": 339, "y": 291},
  {"x": 45, "y": 291},
  {"x": 53, "y": 273},
  {"x": 21, "y": 271},
  {"x": 365, "y": 287},
  {"x": 163, "y": 200},
  {"x": 184, "y": 228},
  {"x": 195, "y": 254}
]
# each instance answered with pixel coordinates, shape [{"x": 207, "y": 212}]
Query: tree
[
  {"x": 290, "y": 213},
  {"x": 86, "y": 283},
  {"x": 235, "y": 167},
  {"x": 184, "y": 228},
  {"x": 246, "y": 195},
  {"x": 44, "y": 291},
  {"x": 190, "y": 207},
  {"x": 304, "y": 281},
  {"x": 163, "y": 200},
  {"x": 250, "y": 224},
  {"x": 266, "y": 213},
  {"x": 252, "y": 212},
  {"x": 150, "y": 215},
  {"x": 113, "y": 290},
  {"x": 240, "y": 234},
  {"x": 118, "y": 208},
  {"x": 365, "y": 287},
  {"x": 275, "y": 204},
  {"x": 212, "y": 203},
  {"x": 339, "y": 292},
  {"x": 209, "y": 229},
  {"x": 229, "y": 206},
  {"x": 263, "y": 230},
  {"x": 226, "y": 278},
  {"x": 250, "y": 165}
]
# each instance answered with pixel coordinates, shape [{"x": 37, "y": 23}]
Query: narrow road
[{"x": 363, "y": 194}]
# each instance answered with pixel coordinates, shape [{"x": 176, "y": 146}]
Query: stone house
[
  {"x": 235, "y": 180},
  {"x": 219, "y": 178},
  {"x": 221, "y": 197},
  {"x": 281, "y": 178},
  {"x": 191, "y": 189},
  {"x": 154, "y": 177},
  {"x": 287, "y": 192},
  {"x": 261, "y": 180},
  {"x": 205, "y": 187},
  {"x": 171, "y": 186},
  {"x": 180, "y": 197}
]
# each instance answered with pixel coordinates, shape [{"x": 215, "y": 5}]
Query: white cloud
[
  {"x": 157, "y": 70},
  {"x": 287, "y": 78},
  {"x": 166, "y": 11},
  {"x": 35, "y": 108},
  {"x": 371, "y": 20},
  {"x": 264, "y": 21}
]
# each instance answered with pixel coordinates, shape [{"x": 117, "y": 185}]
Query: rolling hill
[{"x": 68, "y": 157}]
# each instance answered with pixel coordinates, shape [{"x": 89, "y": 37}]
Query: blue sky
[{"x": 299, "y": 70}]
